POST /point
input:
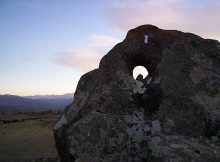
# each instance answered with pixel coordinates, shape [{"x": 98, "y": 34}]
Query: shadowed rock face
[{"x": 171, "y": 115}]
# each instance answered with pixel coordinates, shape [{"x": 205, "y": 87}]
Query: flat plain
[{"x": 27, "y": 137}]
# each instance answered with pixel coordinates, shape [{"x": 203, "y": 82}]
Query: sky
[{"x": 47, "y": 45}]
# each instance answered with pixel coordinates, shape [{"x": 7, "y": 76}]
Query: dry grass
[{"x": 27, "y": 138}]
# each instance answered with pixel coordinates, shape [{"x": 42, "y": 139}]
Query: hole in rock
[
  {"x": 151, "y": 98},
  {"x": 140, "y": 70}
]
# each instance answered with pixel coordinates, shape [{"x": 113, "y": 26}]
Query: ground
[{"x": 27, "y": 137}]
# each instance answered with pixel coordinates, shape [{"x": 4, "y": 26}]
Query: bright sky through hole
[{"x": 140, "y": 70}]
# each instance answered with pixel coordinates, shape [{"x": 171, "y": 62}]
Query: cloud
[
  {"x": 86, "y": 60},
  {"x": 199, "y": 16},
  {"x": 102, "y": 40},
  {"x": 83, "y": 60}
]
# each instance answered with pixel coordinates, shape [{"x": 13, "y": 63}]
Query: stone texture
[{"x": 171, "y": 115}]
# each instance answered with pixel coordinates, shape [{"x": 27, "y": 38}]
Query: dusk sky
[{"x": 46, "y": 45}]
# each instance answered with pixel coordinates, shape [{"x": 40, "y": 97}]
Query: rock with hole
[{"x": 173, "y": 114}]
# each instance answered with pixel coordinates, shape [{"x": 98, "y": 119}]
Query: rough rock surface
[{"x": 171, "y": 115}]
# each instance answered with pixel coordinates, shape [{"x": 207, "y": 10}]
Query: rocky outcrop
[{"x": 171, "y": 115}]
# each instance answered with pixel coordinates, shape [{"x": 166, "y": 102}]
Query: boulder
[{"x": 171, "y": 115}]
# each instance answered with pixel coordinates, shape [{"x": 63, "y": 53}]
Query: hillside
[{"x": 12, "y": 103}]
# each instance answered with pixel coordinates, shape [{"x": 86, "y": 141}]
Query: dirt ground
[{"x": 27, "y": 137}]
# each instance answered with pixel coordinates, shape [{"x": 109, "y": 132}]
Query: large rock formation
[{"x": 171, "y": 115}]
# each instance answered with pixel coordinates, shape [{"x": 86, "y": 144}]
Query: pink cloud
[
  {"x": 102, "y": 40},
  {"x": 86, "y": 60},
  {"x": 202, "y": 19},
  {"x": 83, "y": 60}
]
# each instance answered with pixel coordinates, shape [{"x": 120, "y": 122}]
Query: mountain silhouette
[{"x": 12, "y": 103}]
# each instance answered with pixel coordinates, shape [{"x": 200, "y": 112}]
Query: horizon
[
  {"x": 46, "y": 46},
  {"x": 38, "y": 95}
]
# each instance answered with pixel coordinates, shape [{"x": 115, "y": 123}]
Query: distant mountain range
[
  {"x": 53, "y": 97},
  {"x": 11, "y": 103}
]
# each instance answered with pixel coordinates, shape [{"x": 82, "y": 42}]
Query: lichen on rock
[
  {"x": 171, "y": 115},
  {"x": 60, "y": 122}
]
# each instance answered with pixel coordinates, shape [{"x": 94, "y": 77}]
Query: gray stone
[{"x": 171, "y": 115}]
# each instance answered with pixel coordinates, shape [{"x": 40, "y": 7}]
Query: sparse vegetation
[{"x": 27, "y": 137}]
